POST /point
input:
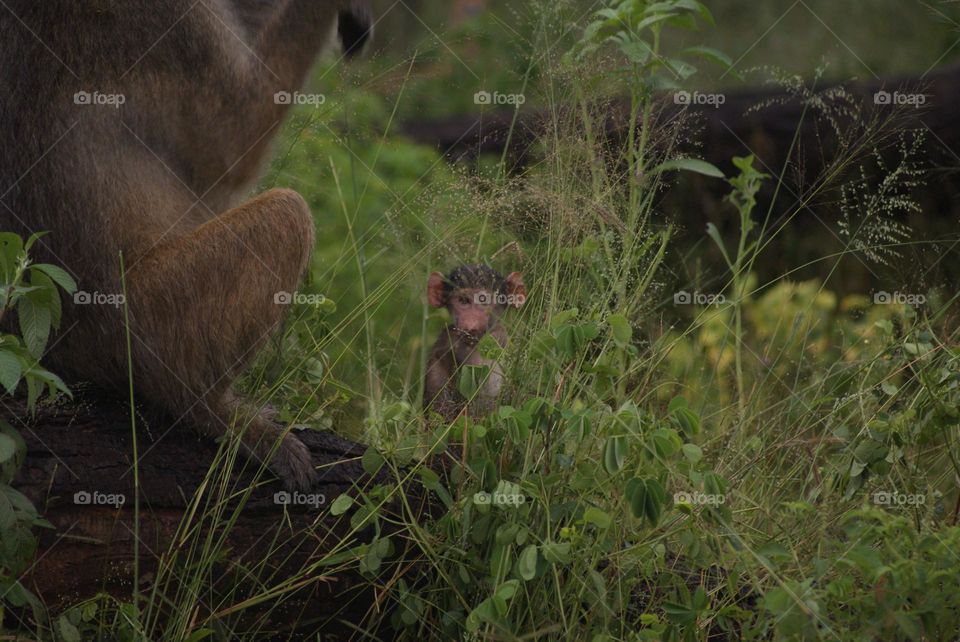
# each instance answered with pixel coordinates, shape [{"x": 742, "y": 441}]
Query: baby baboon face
[{"x": 476, "y": 296}]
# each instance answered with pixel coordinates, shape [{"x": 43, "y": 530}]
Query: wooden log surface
[
  {"x": 749, "y": 120},
  {"x": 80, "y": 456}
]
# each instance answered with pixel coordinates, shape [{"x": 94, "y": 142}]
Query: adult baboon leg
[{"x": 201, "y": 306}]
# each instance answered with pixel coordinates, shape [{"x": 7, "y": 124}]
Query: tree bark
[{"x": 88, "y": 448}]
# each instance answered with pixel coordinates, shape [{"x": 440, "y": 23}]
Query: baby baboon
[
  {"x": 135, "y": 127},
  {"x": 476, "y": 296}
]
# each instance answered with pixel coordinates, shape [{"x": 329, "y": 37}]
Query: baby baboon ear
[
  {"x": 516, "y": 289},
  {"x": 436, "y": 292}
]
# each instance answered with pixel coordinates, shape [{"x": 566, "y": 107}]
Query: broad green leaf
[
  {"x": 508, "y": 589},
  {"x": 700, "y": 601},
  {"x": 688, "y": 421},
  {"x": 472, "y": 379},
  {"x": 68, "y": 632},
  {"x": 679, "y": 613},
  {"x": 58, "y": 275},
  {"x": 561, "y": 318},
  {"x": 8, "y": 448},
  {"x": 556, "y": 553},
  {"x": 622, "y": 332},
  {"x": 10, "y": 370},
  {"x": 709, "y": 53},
  {"x": 614, "y": 453},
  {"x": 597, "y": 517},
  {"x": 692, "y": 452},
  {"x": 341, "y": 505},
  {"x": 527, "y": 563},
  {"x": 34, "y": 325},
  {"x": 646, "y": 499},
  {"x": 371, "y": 461}
]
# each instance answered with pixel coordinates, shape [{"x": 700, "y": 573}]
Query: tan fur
[{"x": 160, "y": 180}]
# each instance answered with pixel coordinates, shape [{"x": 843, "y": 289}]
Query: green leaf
[
  {"x": 713, "y": 55},
  {"x": 663, "y": 443},
  {"x": 700, "y": 600},
  {"x": 371, "y": 461},
  {"x": 341, "y": 505},
  {"x": 714, "y": 234},
  {"x": 507, "y": 590},
  {"x": 527, "y": 564},
  {"x": 59, "y": 276},
  {"x": 68, "y": 632},
  {"x": 635, "y": 492},
  {"x": 622, "y": 332},
  {"x": 636, "y": 51},
  {"x": 597, "y": 517},
  {"x": 33, "y": 238},
  {"x": 484, "y": 612},
  {"x": 614, "y": 453},
  {"x": 472, "y": 379},
  {"x": 646, "y": 499},
  {"x": 680, "y": 68},
  {"x": 679, "y": 613},
  {"x": 688, "y": 420},
  {"x": 34, "y": 325},
  {"x": 692, "y": 452},
  {"x": 691, "y": 165},
  {"x": 10, "y": 370},
  {"x": 556, "y": 553},
  {"x": 561, "y": 318},
  {"x": 8, "y": 448},
  {"x": 909, "y": 624}
]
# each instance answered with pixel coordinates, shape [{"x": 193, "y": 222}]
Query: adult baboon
[{"x": 135, "y": 127}]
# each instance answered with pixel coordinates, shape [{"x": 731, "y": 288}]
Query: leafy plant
[
  {"x": 744, "y": 197},
  {"x": 31, "y": 291}
]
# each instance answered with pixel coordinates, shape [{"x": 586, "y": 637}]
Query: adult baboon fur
[{"x": 136, "y": 127}]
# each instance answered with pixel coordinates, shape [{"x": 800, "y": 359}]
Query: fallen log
[
  {"x": 790, "y": 135},
  {"x": 733, "y": 127},
  {"x": 78, "y": 472}
]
